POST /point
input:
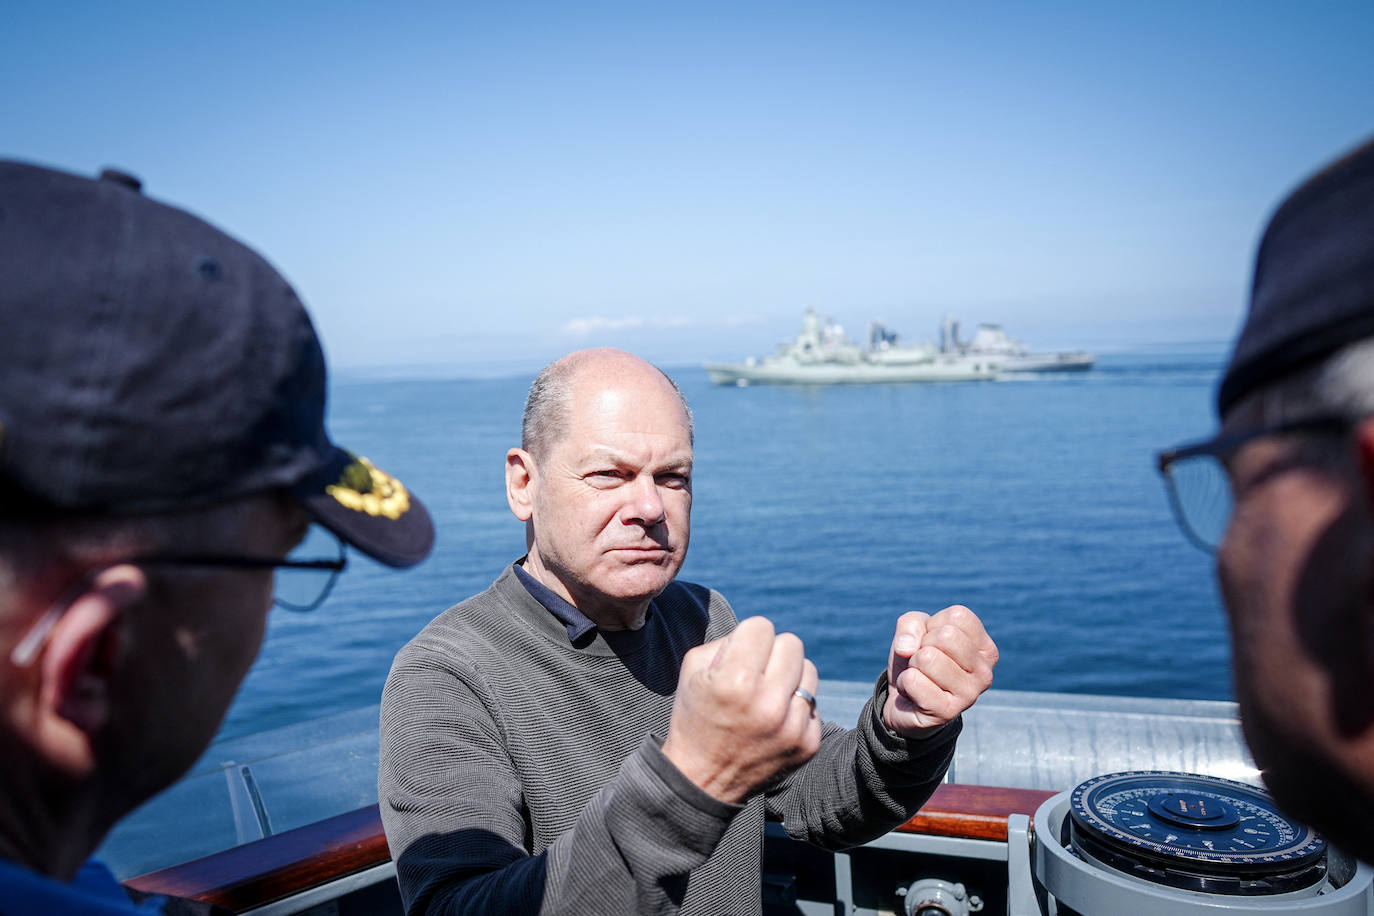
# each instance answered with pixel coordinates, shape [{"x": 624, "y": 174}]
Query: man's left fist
[{"x": 937, "y": 667}]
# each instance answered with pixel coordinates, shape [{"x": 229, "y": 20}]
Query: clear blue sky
[{"x": 490, "y": 184}]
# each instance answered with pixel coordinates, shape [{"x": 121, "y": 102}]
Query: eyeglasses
[
  {"x": 1199, "y": 486},
  {"x": 301, "y": 583}
]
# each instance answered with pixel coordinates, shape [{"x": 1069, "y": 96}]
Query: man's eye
[
  {"x": 674, "y": 481},
  {"x": 606, "y": 475}
]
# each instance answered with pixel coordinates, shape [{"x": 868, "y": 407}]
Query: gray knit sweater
[{"x": 522, "y": 773}]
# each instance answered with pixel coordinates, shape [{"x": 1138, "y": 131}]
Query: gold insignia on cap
[{"x": 363, "y": 487}]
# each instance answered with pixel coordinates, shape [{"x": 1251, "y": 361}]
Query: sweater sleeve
[
  {"x": 862, "y": 782},
  {"x": 455, "y": 818}
]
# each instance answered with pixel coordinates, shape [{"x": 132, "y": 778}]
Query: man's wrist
[
  {"x": 657, "y": 751},
  {"x": 881, "y": 690}
]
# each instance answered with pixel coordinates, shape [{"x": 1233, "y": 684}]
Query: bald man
[{"x": 590, "y": 736}]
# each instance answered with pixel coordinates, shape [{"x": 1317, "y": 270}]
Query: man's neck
[
  {"x": 53, "y": 843},
  {"x": 607, "y": 615},
  {"x": 50, "y": 821}
]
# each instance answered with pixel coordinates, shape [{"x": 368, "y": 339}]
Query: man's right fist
[{"x": 738, "y": 721}]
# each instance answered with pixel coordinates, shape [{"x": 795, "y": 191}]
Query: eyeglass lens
[
  {"x": 1202, "y": 498},
  {"x": 306, "y": 589}
]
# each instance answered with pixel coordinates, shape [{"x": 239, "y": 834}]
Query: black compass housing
[{"x": 1197, "y": 833}]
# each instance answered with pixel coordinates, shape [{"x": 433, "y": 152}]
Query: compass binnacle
[{"x": 1189, "y": 830}]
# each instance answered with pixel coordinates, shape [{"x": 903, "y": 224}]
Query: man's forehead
[
  {"x": 624, "y": 426},
  {"x": 609, "y": 453},
  {"x": 627, "y": 403}
]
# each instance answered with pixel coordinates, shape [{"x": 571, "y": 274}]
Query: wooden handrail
[
  {"x": 294, "y": 861},
  {"x": 973, "y": 812},
  {"x": 278, "y": 866}
]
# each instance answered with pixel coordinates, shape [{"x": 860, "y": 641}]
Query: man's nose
[{"x": 645, "y": 505}]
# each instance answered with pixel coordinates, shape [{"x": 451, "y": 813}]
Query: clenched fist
[
  {"x": 738, "y": 723},
  {"x": 937, "y": 667}
]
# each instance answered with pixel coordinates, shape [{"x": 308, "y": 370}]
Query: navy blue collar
[{"x": 578, "y": 623}]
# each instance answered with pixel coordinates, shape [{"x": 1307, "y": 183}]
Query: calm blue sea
[{"x": 830, "y": 510}]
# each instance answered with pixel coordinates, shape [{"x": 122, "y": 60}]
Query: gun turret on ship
[{"x": 991, "y": 343}]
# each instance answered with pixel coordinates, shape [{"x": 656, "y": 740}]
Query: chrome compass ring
[{"x": 1193, "y": 832}]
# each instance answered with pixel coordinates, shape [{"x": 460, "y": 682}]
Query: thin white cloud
[{"x": 585, "y": 327}]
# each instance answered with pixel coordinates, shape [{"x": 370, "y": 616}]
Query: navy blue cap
[
  {"x": 1314, "y": 279},
  {"x": 153, "y": 363}
]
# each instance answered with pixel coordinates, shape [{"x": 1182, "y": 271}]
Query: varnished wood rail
[
  {"x": 287, "y": 863},
  {"x": 295, "y": 861},
  {"x": 973, "y": 812}
]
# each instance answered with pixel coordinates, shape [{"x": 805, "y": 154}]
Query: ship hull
[
  {"x": 1047, "y": 362},
  {"x": 846, "y": 374}
]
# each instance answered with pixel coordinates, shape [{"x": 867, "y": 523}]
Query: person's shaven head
[{"x": 545, "y": 419}]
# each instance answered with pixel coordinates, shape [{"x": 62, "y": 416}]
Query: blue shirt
[
  {"x": 578, "y": 623},
  {"x": 94, "y": 890}
]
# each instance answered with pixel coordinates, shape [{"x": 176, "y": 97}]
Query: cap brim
[{"x": 369, "y": 509}]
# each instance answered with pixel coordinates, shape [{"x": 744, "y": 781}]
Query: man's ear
[
  {"x": 520, "y": 483},
  {"x": 78, "y": 667}
]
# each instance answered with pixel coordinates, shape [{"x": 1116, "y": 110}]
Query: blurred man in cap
[
  {"x": 1285, "y": 495},
  {"x": 162, "y": 451}
]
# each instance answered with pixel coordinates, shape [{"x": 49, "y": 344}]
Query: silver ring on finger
[{"x": 808, "y": 696}]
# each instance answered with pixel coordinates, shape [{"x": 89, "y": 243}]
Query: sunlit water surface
[{"x": 830, "y": 510}]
